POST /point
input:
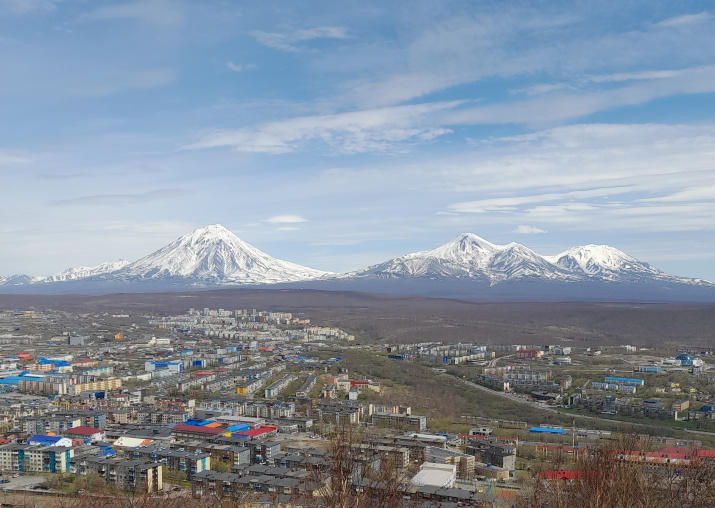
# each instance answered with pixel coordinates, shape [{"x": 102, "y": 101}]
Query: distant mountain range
[{"x": 466, "y": 267}]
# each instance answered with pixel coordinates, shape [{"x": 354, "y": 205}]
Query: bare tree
[{"x": 623, "y": 475}]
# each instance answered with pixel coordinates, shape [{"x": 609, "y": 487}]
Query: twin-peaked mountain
[
  {"x": 471, "y": 257},
  {"x": 466, "y": 267}
]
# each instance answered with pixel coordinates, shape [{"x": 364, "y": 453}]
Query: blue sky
[{"x": 340, "y": 134}]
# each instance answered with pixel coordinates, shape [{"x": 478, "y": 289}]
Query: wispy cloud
[
  {"x": 289, "y": 41},
  {"x": 122, "y": 199},
  {"x": 558, "y": 107},
  {"x": 163, "y": 13},
  {"x": 465, "y": 49},
  {"x": 238, "y": 67},
  {"x": 27, "y": 6},
  {"x": 647, "y": 75},
  {"x": 685, "y": 19},
  {"x": 117, "y": 81},
  {"x": 596, "y": 177},
  {"x": 286, "y": 219},
  {"x": 529, "y": 230},
  {"x": 65, "y": 176},
  {"x": 584, "y": 82},
  {"x": 375, "y": 130},
  {"x": 13, "y": 157}
]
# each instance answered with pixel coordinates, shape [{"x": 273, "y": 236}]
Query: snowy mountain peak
[
  {"x": 467, "y": 256},
  {"x": 595, "y": 259},
  {"x": 470, "y": 257},
  {"x": 215, "y": 232},
  {"x": 215, "y": 255},
  {"x": 466, "y": 247}
]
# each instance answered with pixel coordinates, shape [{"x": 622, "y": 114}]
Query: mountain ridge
[{"x": 214, "y": 257}]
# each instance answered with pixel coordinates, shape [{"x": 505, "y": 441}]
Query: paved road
[{"x": 544, "y": 407}]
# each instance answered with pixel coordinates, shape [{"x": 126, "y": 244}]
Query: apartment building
[{"x": 26, "y": 458}]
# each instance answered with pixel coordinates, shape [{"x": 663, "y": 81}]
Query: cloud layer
[{"x": 391, "y": 127}]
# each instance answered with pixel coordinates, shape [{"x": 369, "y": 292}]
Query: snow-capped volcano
[
  {"x": 464, "y": 256},
  {"x": 470, "y": 257},
  {"x": 597, "y": 259},
  {"x": 207, "y": 257},
  {"x": 214, "y": 255},
  {"x": 466, "y": 267}
]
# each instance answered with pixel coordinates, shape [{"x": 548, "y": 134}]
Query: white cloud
[
  {"x": 238, "y": 67},
  {"x": 288, "y": 41},
  {"x": 286, "y": 219},
  {"x": 451, "y": 51},
  {"x": 528, "y": 230},
  {"x": 684, "y": 20},
  {"x": 646, "y": 75},
  {"x": 595, "y": 177},
  {"x": 559, "y": 107},
  {"x": 374, "y": 130},
  {"x": 511, "y": 203}
]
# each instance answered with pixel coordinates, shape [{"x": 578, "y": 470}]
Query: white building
[{"x": 436, "y": 475}]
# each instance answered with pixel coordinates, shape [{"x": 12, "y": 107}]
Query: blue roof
[
  {"x": 198, "y": 423},
  {"x": 15, "y": 380},
  {"x": 44, "y": 440},
  {"x": 685, "y": 359},
  {"x": 624, "y": 379},
  {"x": 545, "y": 430}
]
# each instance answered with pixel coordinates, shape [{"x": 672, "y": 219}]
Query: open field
[{"x": 381, "y": 318}]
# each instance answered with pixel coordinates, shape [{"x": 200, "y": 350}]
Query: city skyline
[{"x": 338, "y": 137}]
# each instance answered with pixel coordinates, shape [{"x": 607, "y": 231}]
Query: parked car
[{"x": 16, "y": 475}]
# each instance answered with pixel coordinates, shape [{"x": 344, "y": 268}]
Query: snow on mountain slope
[
  {"x": 214, "y": 255},
  {"x": 16, "y": 280},
  {"x": 464, "y": 256},
  {"x": 609, "y": 264},
  {"x": 471, "y": 257},
  {"x": 83, "y": 272}
]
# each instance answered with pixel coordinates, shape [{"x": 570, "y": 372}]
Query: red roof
[
  {"x": 265, "y": 429},
  {"x": 672, "y": 452},
  {"x": 196, "y": 428},
  {"x": 84, "y": 431}
]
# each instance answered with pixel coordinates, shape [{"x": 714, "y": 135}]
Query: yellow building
[{"x": 101, "y": 384}]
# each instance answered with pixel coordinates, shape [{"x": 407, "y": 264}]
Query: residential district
[{"x": 248, "y": 403}]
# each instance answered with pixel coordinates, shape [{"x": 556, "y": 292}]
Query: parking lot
[{"x": 23, "y": 482}]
